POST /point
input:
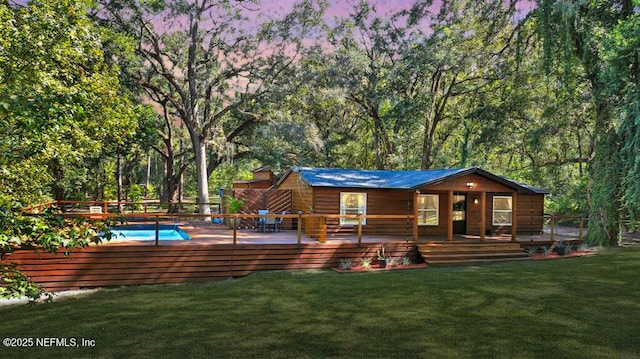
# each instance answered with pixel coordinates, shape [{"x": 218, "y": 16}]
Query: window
[
  {"x": 352, "y": 203},
  {"x": 428, "y": 209},
  {"x": 502, "y": 210}
]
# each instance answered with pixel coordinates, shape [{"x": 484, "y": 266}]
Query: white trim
[
  {"x": 494, "y": 211},
  {"x": 359, "y": 208},
  {"x": 422, "y": 212}
]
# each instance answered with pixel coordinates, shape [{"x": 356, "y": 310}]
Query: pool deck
[{"x": 206, "y": 233}]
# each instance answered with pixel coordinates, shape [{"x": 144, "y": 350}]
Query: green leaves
[{"x": 60, "y": 101}]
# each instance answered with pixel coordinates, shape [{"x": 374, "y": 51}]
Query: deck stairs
[{"x": 442, "y": 253}]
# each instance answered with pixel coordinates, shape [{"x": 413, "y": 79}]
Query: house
[
  {"x": 263, "y": 178},
  {"x": 443, "y": 202}
]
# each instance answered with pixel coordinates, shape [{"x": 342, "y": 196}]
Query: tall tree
[
  {"x": 409, "y": 72},
  {"x": 213, "y": 64},
  {"x": 60, "y": 108},
  {"x": 575, "y": 33},
  {"x": 59, "y": 101}
]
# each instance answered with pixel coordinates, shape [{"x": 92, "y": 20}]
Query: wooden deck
[
  {"x": 211, "y": 255},
  {"x": 204, "y": 233}
]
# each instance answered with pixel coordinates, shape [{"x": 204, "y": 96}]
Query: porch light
[
  {"x": 470, "y": 184},
  {"x": 475, "y": 201}
]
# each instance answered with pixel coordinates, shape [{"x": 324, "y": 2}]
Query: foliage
[
  {"x": 600, "y": 39},
  {"x": 48, "y": 231},
  {"x": 380, "y": 253},
  {"x": 16, "y": 284},
  {"x": 406, "y": 260},
  {"x": 345, "y": 263},
  {"x": 59, "y": 100},
  {"x": 212, "y": 75},
  {"x": 365, "y": 262},
  {"x": 234, "y": 204}
]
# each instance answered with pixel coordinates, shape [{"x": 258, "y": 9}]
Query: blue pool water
[{"x": 147, "y": 232}]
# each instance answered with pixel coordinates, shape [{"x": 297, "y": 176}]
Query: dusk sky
[{"x": 342, "y": 7}]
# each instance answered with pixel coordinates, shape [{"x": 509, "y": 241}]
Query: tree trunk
[
  {"x": 146, "y": 185},
  {"x": 59, "y": 192},
  {"x": 119, "y": 181},
  {"x": 604, "y": 185},
  {"x": 201, "y": 173}
]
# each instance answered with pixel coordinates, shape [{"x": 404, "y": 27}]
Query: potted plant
[
  {"x": 234, "y": 205},
  {"x": 560, "y": 250},
  {"x": 382, "y": 258}
]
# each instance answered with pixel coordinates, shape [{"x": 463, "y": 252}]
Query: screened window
[
  {"x": 502, "y": 210},
  {"x": 353, "y": 203},
  {"x": 428, "y": 209}
]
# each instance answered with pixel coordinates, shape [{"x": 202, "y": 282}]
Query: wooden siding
[
  {"x": 302, "y": 199},
  {"x": 459, "y": 184},
  {"x": 109, "y": 265},
  {"x": 529, "y": 214},
  {"x": 379, "y": 201},
  {"x": 443, "y": 220}
]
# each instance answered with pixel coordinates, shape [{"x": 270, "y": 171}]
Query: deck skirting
[{"x": 110, "y": 265}]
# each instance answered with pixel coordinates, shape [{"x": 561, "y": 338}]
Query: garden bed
[
  {"x": 553, "y": 255},
  {"x": 376, "y": 268}
]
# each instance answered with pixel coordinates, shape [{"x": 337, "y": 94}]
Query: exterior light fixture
[
  {"x": 470, "y": 184},
  {"x": 475, "y": 201}
]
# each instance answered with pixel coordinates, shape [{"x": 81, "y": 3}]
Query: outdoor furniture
[
  {"x": 279, "y": 221},
  {"x": 269, "y": 223},
  {"x": 260, "y": 222}
]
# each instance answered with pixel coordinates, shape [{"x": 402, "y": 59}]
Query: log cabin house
[{"x": 443, "y": 202}]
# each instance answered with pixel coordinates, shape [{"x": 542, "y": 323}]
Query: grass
[{"x": 572, "y": 308}]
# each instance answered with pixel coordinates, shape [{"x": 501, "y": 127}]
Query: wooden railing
[{"x": 553, "y": 224}]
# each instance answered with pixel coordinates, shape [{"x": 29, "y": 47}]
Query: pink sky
[{"x": 341, "y": 8}]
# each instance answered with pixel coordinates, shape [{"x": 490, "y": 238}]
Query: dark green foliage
[
  {"x": 602, "y": 38},
  {"x": 48, "y": 232}
]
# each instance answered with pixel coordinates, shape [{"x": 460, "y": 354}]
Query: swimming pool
[{"x": 147, "y": 232}]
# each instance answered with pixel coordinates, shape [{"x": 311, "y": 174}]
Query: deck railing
[
  {"x": 553, "y": 224},
  {"x": 317, "y": 226}
]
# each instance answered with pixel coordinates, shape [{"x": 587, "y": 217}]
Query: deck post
[
  {"x": 234, "y": 219},
  {"x": 106, "y": 207},
  {"x": 299, "y": 227},
  {"x": 450, "y": 217},
  {"x": 581, "y": 227},
  {"x": 514, "y": 216},
  {"x": 553, "y": 227},
  {"x": 359, "y": 228},
  {"x": 483, "y": 215},
  {"x": 157, "y": 231}
]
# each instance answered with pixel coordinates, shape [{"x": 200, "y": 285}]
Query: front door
[{"x": 459, "y": 214}]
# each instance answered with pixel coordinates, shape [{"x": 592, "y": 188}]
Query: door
[{"x": 459, "y": 214}]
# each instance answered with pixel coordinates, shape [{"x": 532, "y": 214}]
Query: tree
[
  {"x": 575, "y": 34},
  {"x": 212, "y": 64},
  {"x": 59, "y": 101},
  {"x": 60, "y": 108},
  {"x": 411, "y": 82}
]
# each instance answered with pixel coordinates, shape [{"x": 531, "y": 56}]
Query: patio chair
[
  {"x": 279, "y": 221},
  {"x": 260, "y": 221},
  {"x": 95, "y": 210},
  {"x": 269, "y": 222}
]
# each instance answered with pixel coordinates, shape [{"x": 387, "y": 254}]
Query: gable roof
[{"x": 400, "y": 180}]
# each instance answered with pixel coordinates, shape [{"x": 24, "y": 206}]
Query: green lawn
[{"x": 571, "y": 308}]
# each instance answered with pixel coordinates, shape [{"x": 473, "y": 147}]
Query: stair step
[{"x": 471, "y": 252}]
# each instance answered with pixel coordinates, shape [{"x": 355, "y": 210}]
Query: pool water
[{"x": 147, "y": 232}]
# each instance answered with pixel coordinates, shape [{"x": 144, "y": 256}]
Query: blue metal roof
[
  {"x": 401, "y": 180},
  {"x": 354, "y": 178}
]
